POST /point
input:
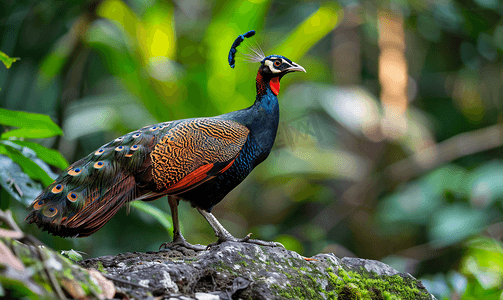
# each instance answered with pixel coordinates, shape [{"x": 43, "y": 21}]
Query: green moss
[
  {"x": 90, "y": 287},
  {"x": 190, "y": 260},
  {"x": 67, "y": 273},
  {"x": 350, "y": 285},
  {"x": 243, "y": 263},
  {"x": 221, "y": 267},
  {"x": 25, "y": 256},
  {"x": 332, "y": 278},
  {"x": 306, "y": 284},
  {"x": 101, "y": 268},
  {"x": 46, "y": 286},
  {"x": 351, "y": 292},
  {"x": 343, "y": 284}
]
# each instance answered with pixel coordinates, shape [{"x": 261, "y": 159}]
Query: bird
[{"x": 199, "y": 160}]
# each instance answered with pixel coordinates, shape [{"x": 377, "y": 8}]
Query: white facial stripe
[{"x": 271, "y": 67}]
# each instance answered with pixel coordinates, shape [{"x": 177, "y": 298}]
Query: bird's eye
[{"x": 277, "y": 63}]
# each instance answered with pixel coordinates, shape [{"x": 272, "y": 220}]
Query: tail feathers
[
  {"x": 90, "y": 191},
  {"x": 85, "y": 219}
]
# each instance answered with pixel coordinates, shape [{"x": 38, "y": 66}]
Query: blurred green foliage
[
  {"x": 100, "y": 69},
  {"x": 22, "y": 163}
]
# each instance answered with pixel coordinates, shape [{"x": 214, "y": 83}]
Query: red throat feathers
[{"x": 274, "y": 84}]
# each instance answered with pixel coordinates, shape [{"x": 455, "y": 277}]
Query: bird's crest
[{"x": 256, "y": 56}]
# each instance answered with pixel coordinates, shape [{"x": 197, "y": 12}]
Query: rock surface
[{"x": 246, "y": 271}]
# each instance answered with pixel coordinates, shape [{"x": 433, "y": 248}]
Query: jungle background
[{"x": 389, "y": 147}]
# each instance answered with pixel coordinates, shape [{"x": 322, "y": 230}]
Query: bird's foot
[
  {"x": 246, "y": 239},
  {"x": 180, "y": 241}
]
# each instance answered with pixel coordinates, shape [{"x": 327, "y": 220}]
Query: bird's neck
[
  {"x": 267, "y": 92},
  {"x": 262, "y": 117}
]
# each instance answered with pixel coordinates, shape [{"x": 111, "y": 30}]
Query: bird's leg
[
  {"x": 178, "y": 238},
  {"x": 223, "y": 235}
]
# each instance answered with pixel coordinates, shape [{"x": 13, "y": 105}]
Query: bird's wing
[{"x": 195, "y": 151}]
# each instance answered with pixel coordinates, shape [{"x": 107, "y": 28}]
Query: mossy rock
[{"x": 247, "y": 271}]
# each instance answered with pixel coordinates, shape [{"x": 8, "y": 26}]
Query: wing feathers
[
  {"x": 185, "y": 155},
  {"x": 197, "y": 177}
]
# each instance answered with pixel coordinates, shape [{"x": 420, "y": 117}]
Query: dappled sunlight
[
  {"x": 120, "y": 13},
  {"x": 160, "y": 37},
  {"x": 148, "y": 43}
]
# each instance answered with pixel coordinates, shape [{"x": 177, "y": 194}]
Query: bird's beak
[{"x": 295, "y": 67}]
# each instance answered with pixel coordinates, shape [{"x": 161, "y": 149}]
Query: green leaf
[
  {"x": 30, "y": 125},
  {"x": 72, "y": 254},
  {"x": 161, "y": 216},
  {"x": 17, "y": 288},
  {"x": 29, "y": 167},
  {"x": 17, "y": 183},
  {"x": 484, "y": 261},
  {"x": 7, "y": 61},
  {"x": 33, "y": 133},
  {"x": 50, "y": 156}
]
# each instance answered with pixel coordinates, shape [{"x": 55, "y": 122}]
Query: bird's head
[
  {"x": 272, "y": 68},
  {"x": 278, "y": 66}
]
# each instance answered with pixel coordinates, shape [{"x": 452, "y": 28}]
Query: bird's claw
[
  {"x": 246, "y": 239},
  {"x": 166, "y": 245},
  {"x": 277, "y": 244},
  {"x": 265, "y": 243},
  {"x": 229, "y": 238},
  {"x": 183, "y": 243}
]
